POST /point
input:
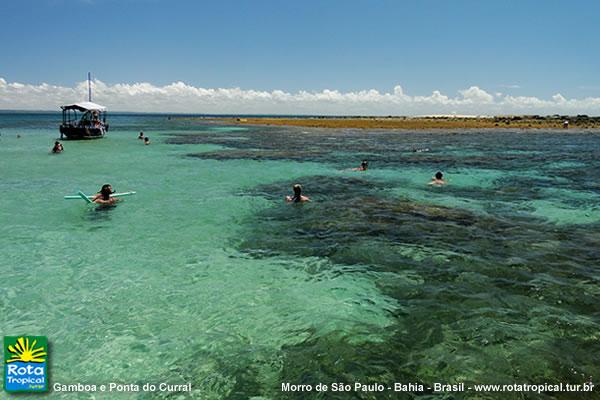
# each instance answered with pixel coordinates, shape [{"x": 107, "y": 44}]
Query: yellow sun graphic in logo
[{"x": 22, "y": 351}]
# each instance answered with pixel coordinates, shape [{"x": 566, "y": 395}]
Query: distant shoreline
[
  {"x": 432, "y": 122},
  {"x": 508, "y": 122}
]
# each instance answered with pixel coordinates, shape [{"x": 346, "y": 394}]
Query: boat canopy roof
[{"x": 84, "y": 106}]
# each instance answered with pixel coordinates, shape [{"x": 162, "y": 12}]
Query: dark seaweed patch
[
  {"x": 352, "y": 221},
  {"x": 389, "y": 149},
  {"x": 496, "y": 297}
]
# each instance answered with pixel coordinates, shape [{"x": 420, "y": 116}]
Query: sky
[{"x": 304, "y": 57}]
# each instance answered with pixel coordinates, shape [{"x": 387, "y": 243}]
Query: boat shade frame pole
[{"x": 90, "y": 87}]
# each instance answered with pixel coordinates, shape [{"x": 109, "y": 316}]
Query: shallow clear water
[{"x": 206, "y": 276}]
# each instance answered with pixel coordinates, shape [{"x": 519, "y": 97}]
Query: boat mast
[{"x": 90, "y": 87}]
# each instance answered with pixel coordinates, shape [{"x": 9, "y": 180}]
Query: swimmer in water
[
  {"x": 146, "y": 140},
  {"x": 438, "y": 179},
  {"x": 141, "y": 136},
  {"x": 58, "y": 147},
  {"x": 297, "y": 197},
  {"x": 103, "y": 196},
  {"x": 364, "y": 165}
]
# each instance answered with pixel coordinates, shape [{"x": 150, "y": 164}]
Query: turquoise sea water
[{"x": 207, "y": 276}]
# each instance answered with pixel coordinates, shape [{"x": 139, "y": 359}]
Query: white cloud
[
  {"x": 476, "y": 95},
  {"x": 181, "y": 97}
]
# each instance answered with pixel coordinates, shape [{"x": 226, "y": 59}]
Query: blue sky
[{"x": 520, "y": 48}]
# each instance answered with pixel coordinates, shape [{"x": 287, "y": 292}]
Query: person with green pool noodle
[{"x": 103, "y": 196}]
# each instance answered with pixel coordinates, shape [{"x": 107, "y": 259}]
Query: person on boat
[
  {"x": 297, "y": 197},
  {"x": 146, "y": 140},
  {"x": 364, "y": 165},
  {"x": 103, "y": 196},
  {"x": 58, "y": 147},
  {"x": 141, "y": 136},
  {"x": 438, "y": 179},
  {"x": 85, "y": 121}
]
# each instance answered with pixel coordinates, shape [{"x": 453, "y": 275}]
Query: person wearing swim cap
[
  {"x": 297, "y": 197},
  {"x": 438, "y": 180},
  {"x": 103, "y": 196}
]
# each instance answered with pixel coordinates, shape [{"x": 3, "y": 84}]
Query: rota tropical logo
[{"x": 25, "y": 363}]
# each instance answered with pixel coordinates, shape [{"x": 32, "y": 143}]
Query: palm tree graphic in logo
[{"x": 24, "y": 352}]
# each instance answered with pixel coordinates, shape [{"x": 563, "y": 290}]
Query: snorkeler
[
  {"x": 364, "y": 165},
  {"x": 146, "y": 140},
  {"x": 103, "y": 196},
  {"x": 438, "y": 179},
  {"x": 297, "y": 197},
  {"x": 141, "y": 136},
  {"x": 58, "y": 147}
]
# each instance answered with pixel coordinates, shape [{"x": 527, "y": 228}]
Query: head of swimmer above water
[
  {"x": 364, "y": 165},
  {"x": 439, "y": 176},
  {"x": 297, "y": 193},
  {"x": 106, "y": 191}
]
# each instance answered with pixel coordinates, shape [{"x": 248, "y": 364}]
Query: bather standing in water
[
  {"x": 438, "y": 180},
  {"x": 58, "y": 147},
  {"x": 297, "y": 197}
]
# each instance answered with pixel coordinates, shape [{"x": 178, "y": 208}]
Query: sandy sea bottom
[{"x": 207, "y": 277}]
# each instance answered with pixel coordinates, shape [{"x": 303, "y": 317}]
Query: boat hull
[{"x": 81, "y": 133}]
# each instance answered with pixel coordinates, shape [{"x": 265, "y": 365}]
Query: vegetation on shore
[{"x": 435, "y": 122}]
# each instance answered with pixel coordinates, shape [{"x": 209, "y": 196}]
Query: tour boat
[{"x": 84, "y": 120}]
